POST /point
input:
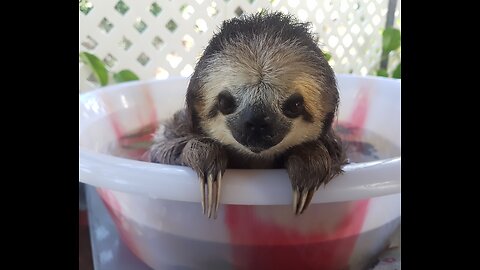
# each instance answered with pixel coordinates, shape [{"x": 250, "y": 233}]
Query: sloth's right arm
[{"x": 176, "y": 144}]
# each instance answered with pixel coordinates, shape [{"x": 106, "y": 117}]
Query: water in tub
[
  {"x": 362, "y": 145},
  {"x": 279, "y": 248}
]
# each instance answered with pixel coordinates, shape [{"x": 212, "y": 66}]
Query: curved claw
[
  {"x": 301, "y": 204},
  {"x": 295, "y": 200},
  {"x": 202, "y": 191},
  {"x": 211, "y": 196},
  {"x": 219, "y": 185},
  {"x": 302, "y": 200},
  {"x": 308, "y": 199}
]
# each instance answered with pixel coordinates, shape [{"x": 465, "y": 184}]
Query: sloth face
[
  {"x": 253, "y": 122},
  {"x": 261, "y": 90}
]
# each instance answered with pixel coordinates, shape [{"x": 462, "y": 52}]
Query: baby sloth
[{"x": 262, "y": 96}]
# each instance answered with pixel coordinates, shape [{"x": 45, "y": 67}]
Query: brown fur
[{"x": 261, "y": 69}]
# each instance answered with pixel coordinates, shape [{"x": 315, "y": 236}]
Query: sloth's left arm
[{"x": 311, "y": 164}]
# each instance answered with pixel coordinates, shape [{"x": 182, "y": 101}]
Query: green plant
[
  {"x": 101, "y": 73},
  {"x": 391, "y": 40},
  {"x": 328, "y": 56}
]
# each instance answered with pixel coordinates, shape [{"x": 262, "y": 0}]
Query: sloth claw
[
  {"x": 210, "y": 197},
  {"x": 302, "y": 199}
]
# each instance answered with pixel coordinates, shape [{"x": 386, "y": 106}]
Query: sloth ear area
[{"x": 193, "y": 100}]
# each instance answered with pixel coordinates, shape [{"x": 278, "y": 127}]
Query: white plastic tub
[{"x": 157, "y": 207}]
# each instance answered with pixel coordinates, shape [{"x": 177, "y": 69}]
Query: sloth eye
[
  {"x": 293, "y": 106},
  {"x": 226, "y": 103}
]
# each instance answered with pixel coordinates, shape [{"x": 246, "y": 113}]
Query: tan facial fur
[{"x": 268, "y": 70}]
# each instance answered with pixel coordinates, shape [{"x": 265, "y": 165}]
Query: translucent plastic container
[{"x": 157, "y": 209}]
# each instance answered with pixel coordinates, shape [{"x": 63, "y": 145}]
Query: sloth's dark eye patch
[
  {"x": 293, "y": 107},
  {"x": 226, "y": 103}
]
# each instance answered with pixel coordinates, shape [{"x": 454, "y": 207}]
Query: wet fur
[{"x": 278, "y": 54}]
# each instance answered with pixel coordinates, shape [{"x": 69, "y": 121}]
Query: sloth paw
[
  {"x": 308, "y": 167},
  {"x": 209, "y": 160}
]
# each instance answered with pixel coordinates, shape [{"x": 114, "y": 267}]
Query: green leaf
[
  {"x": 125, "y": 76},
  {"x": 382, "y": 72},
  {"x": 391, "y": 39},
  {"x": 397, "y": 73},
  {"x": 327, "y": 56},
  {"x": 97, "y": 66}
]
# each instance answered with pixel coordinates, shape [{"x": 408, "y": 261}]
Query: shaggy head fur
[{"x": 262, "y": 86}]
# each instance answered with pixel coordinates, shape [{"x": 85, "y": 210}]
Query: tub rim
[{"x": 245, "y": 187}]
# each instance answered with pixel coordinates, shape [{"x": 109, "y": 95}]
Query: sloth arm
[
  {"x": 324, "y": 157},
  {"x": 177, "y": 144},
  {"x": 311, "y": 164},
  {"x": 170, "y": 140}
]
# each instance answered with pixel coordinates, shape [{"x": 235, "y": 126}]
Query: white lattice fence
[
  {"x": 395, "y": 58},
  {"x": 158, "y": 39}
]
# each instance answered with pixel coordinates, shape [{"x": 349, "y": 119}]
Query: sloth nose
[
  {"x": 258, "y": 127},
  {"x": 259, "y": 124}
]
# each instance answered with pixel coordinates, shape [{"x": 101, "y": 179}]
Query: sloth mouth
[
  {"x": 257, "y": 146},
  {"x": 257, "y": 150},
  {"x": 260, "y": 147}
]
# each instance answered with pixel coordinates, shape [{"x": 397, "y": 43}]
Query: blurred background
[{"x": 160, "y": 39}]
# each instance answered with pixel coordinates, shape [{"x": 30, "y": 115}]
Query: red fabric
[
  {"x": 82, "y": 218},
  {"x": 257, "y": 244},
  {"x": 115, "y": 211}
]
